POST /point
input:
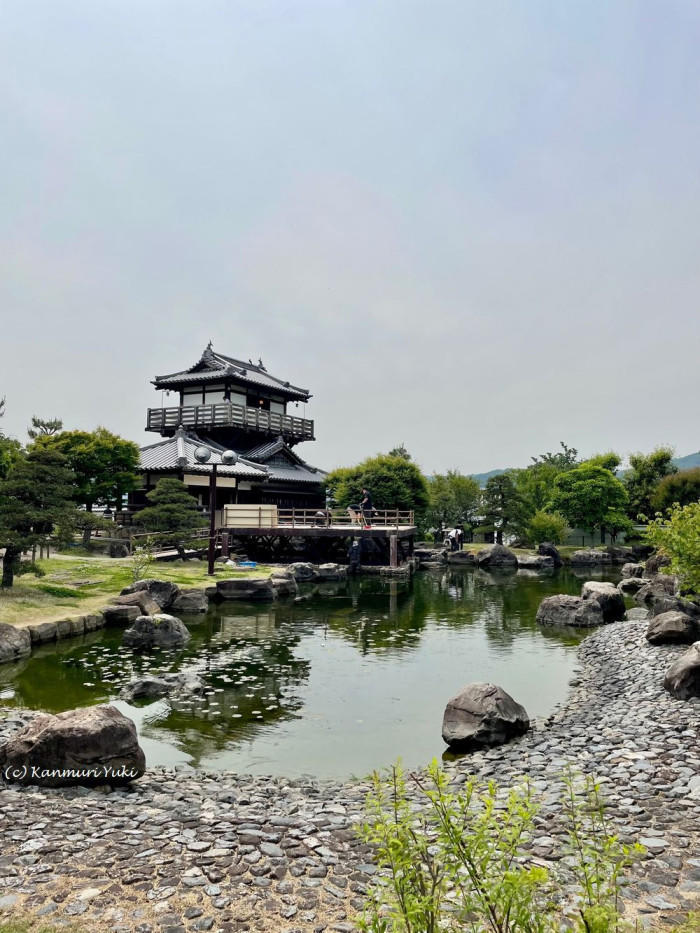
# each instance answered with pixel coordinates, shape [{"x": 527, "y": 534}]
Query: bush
[
  {"x": 547, "y": 526},
  {"x": 678, "y": 536},
  {"x": 457, "y": 863},
  {"x": 683, "y": 488},
  {"x": 26, "y": 567}
]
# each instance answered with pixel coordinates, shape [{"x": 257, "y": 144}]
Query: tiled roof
[
  {"x": 295, "y": 474},
  {"x": 296, "y": 471},
  {"x": 215, "y": 367},
  {"x": 177, "y": 453}
]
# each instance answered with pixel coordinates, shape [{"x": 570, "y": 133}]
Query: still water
[{"x": 347, "y": 681}]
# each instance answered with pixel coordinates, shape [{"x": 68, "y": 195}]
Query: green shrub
[
  {"x": 678, "y": 536},
  {"x": 458, "y": 862},
  {"x": 547, "y": 526},
  {"x": 26, "y": 567}
]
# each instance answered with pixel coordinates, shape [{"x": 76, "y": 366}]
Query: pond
[{"x": 347, "y": 681}]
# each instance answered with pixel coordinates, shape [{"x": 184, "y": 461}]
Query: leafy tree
[
  {"x": 589, "y": 497},
  {"x": 683, "y": 488},
  {"x": 105, "y": 465},
  {"x": 534, "y": 483},
  {"x": 394, "y": 483},
  {"x": 44, "y": 427},
  {"x": 547, "y": 526},
  {"x": 608, "y": 461},
  {"x": 645, "y": 473},
  {"x": 454, "y": 498},
  {"x": 400, "y": 451},
  {"x": 174, "y": 511},
  {"x": 35, "y": 496},
  {"x": 678, "y": 536},
  {"x": 502, "y": 506},
  {"x": 563, "y": 459},
  {"x": 10, "y": 449}
]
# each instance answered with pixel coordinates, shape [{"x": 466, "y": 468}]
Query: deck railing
[
  {"x": 254, "y": 516},
  {"x": 226, "y": 414}
]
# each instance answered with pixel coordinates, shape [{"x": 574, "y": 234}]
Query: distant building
[{"x": 223, "y": 403}]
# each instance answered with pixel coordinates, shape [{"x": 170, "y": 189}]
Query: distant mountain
[
  {"x": 483, "y": 478},
  {"x": 683, "y": 463},
  {"x": 687, "y": 463}
]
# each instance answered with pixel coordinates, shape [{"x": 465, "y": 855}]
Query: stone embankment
[{"x": 184, "y": 850}]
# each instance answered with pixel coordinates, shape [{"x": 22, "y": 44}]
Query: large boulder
[
  {"x": 654, "y": 564},
  {"x": 461, "y": 558},
  {"x": 15, "y": 642},
  {"x": 608, "y": 597},
  {"x": 145, "y": 688},
  {"x": 332, "y": 572},
  {"x": 683, "y": 676},
  {"x": 636, "y": 615},
  {"x": 620, "y": 555},
  {"x": 660, "y": 585},
  {"x": 482, "y": 715},
  {"x": 497, "y": 557},
  {"x": 120, "y": 615},
  {"x": 672, "y": 628},
  {"x": 303, "y": 572},
  {"x": 142, "y": 599},
  {"x": 248, "y": 588},
  {"x": 42, "y": 632},
  {"x": 564, "y": 610},
  {"x": 664, "y": 603},
  {"x": 90, "y": 746},
  {"x": 284, "y": 583},
  {"x": 590, "y": 557},
  {"x": 632, "y": 570},
  {"x": 190, "y": 600},
  {"x": 431, "y": 556},
  {"x": 630, "y": 585},
  {"x": 162, "y": 591},
  {"x": 547, "y": 549},
  {"x": 159, "y": 631},
  {"x": 536, "y": 562}
]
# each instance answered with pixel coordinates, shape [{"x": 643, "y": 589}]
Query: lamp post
[{"x": 203, "y": 455}]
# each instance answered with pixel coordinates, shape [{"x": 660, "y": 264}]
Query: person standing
[{"x": 367, "y": 507}]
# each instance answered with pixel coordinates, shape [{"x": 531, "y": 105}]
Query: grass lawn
[{"x": 75, "y": 586}]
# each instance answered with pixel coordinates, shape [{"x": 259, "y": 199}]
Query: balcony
[{"x": 228, "y": 415}]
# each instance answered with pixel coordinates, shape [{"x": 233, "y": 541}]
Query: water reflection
[{"x": 349, "y": 679}]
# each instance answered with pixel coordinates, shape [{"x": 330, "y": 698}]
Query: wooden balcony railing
[
  {"x": 270, "y": 516},
  {"x": 226, "y": 414}
]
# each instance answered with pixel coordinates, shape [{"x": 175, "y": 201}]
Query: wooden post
[
  {"x": 212, "y": 521},
  {"x": 393, "y": 551},
  {"x": 224, "y": 544}
]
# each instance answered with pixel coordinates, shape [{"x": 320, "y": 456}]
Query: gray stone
[
  {"x": 146, "y": 687},
  {"x": 303, "y": 572},
  {"x": 630, "y": 585},
  {"x": 657, "y": 587},
  {"x": 590, "y": 556},
  {"x": 142, "y": 599},
  {"x": 637, "y": 615},
  {"x": 120, "y": 615},
  {"x": 284, "y": 582},
  {"x": 15, "y": 642},
  {"x": 247, "y": 588},
  {"x": 159, "y": 631},
  {"x": 191, "y": 599},
  {"x": 682, "y": 679},
  {"x": 535, "y": 562},
  {"x": 332, "y": 572},
  {"x": 547, "y": 549},
  {"x": 97, "y": 745},
  {"x": 42, "y": 632},
  {"x": 162, "y": 591},
  {"x": 672, "y": 628},
  {"x": 654, "y": 563},
  {"x": 608, "y": 597},
  {"x": 632, "y": 570},
  {"x": 482, "y": 715},
  {"x": 565, "y": 610},
  {"x": 461, "y": 558},
  {"x": 497, "y": 557}
]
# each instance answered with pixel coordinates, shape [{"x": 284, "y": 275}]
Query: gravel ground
[{"x": 184, "y": 850}]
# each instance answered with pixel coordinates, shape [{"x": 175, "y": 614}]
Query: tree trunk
[
  {"x": 499, "y": 537},
  {"x": 87, "y": 533},
  {"x": 9, "y": 565}
]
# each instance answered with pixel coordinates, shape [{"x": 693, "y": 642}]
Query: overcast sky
[{"x": 473, "y": 227}]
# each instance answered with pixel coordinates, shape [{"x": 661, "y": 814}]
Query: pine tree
[
  {"x": 174, "y": 510},
  {"x": 44, "y": 427},
  {"x": 36, "y": 494}
]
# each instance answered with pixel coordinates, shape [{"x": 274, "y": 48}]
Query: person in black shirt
[{"x": 367, "y": 507}]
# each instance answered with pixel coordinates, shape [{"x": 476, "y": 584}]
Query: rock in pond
[
  {"x": 332, "y": 572},
  {"x": 535, "y": 562},
  {"x": 482, "y": 715},
  {"x": 547, "y": 549},
  {"x": 632, "y": 570},
  {"x": 15, "y": 642},
  {"x": 120, "y": 615},
  {"x": 682, "y": 679},
  {"x": 191, "y": 599},
  {"x": 460, "y": 558},
  {"x": 142, "y": 599},
  {"x": 303, "y": 571},
  {"x": 654, "y": 564},
  {"x": 657, "y": 586},
  {"x": 591, "y": 556},
  {"x": 630, "y": 585},
  {"x": 97, "y": 745},
  {"x": 159, "y": 631},
  {"x": 154, "y": 687},
  {"x": 284, "y": 582},
  {"x": 672, "y": 628},
  {"x": 566, "y": 610},
  {"x": 249, "y": 588},
  {"x": 162, "y": 591},
  {"x": 608, "y": 597},
  {"x": 497, "y": 557}
]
